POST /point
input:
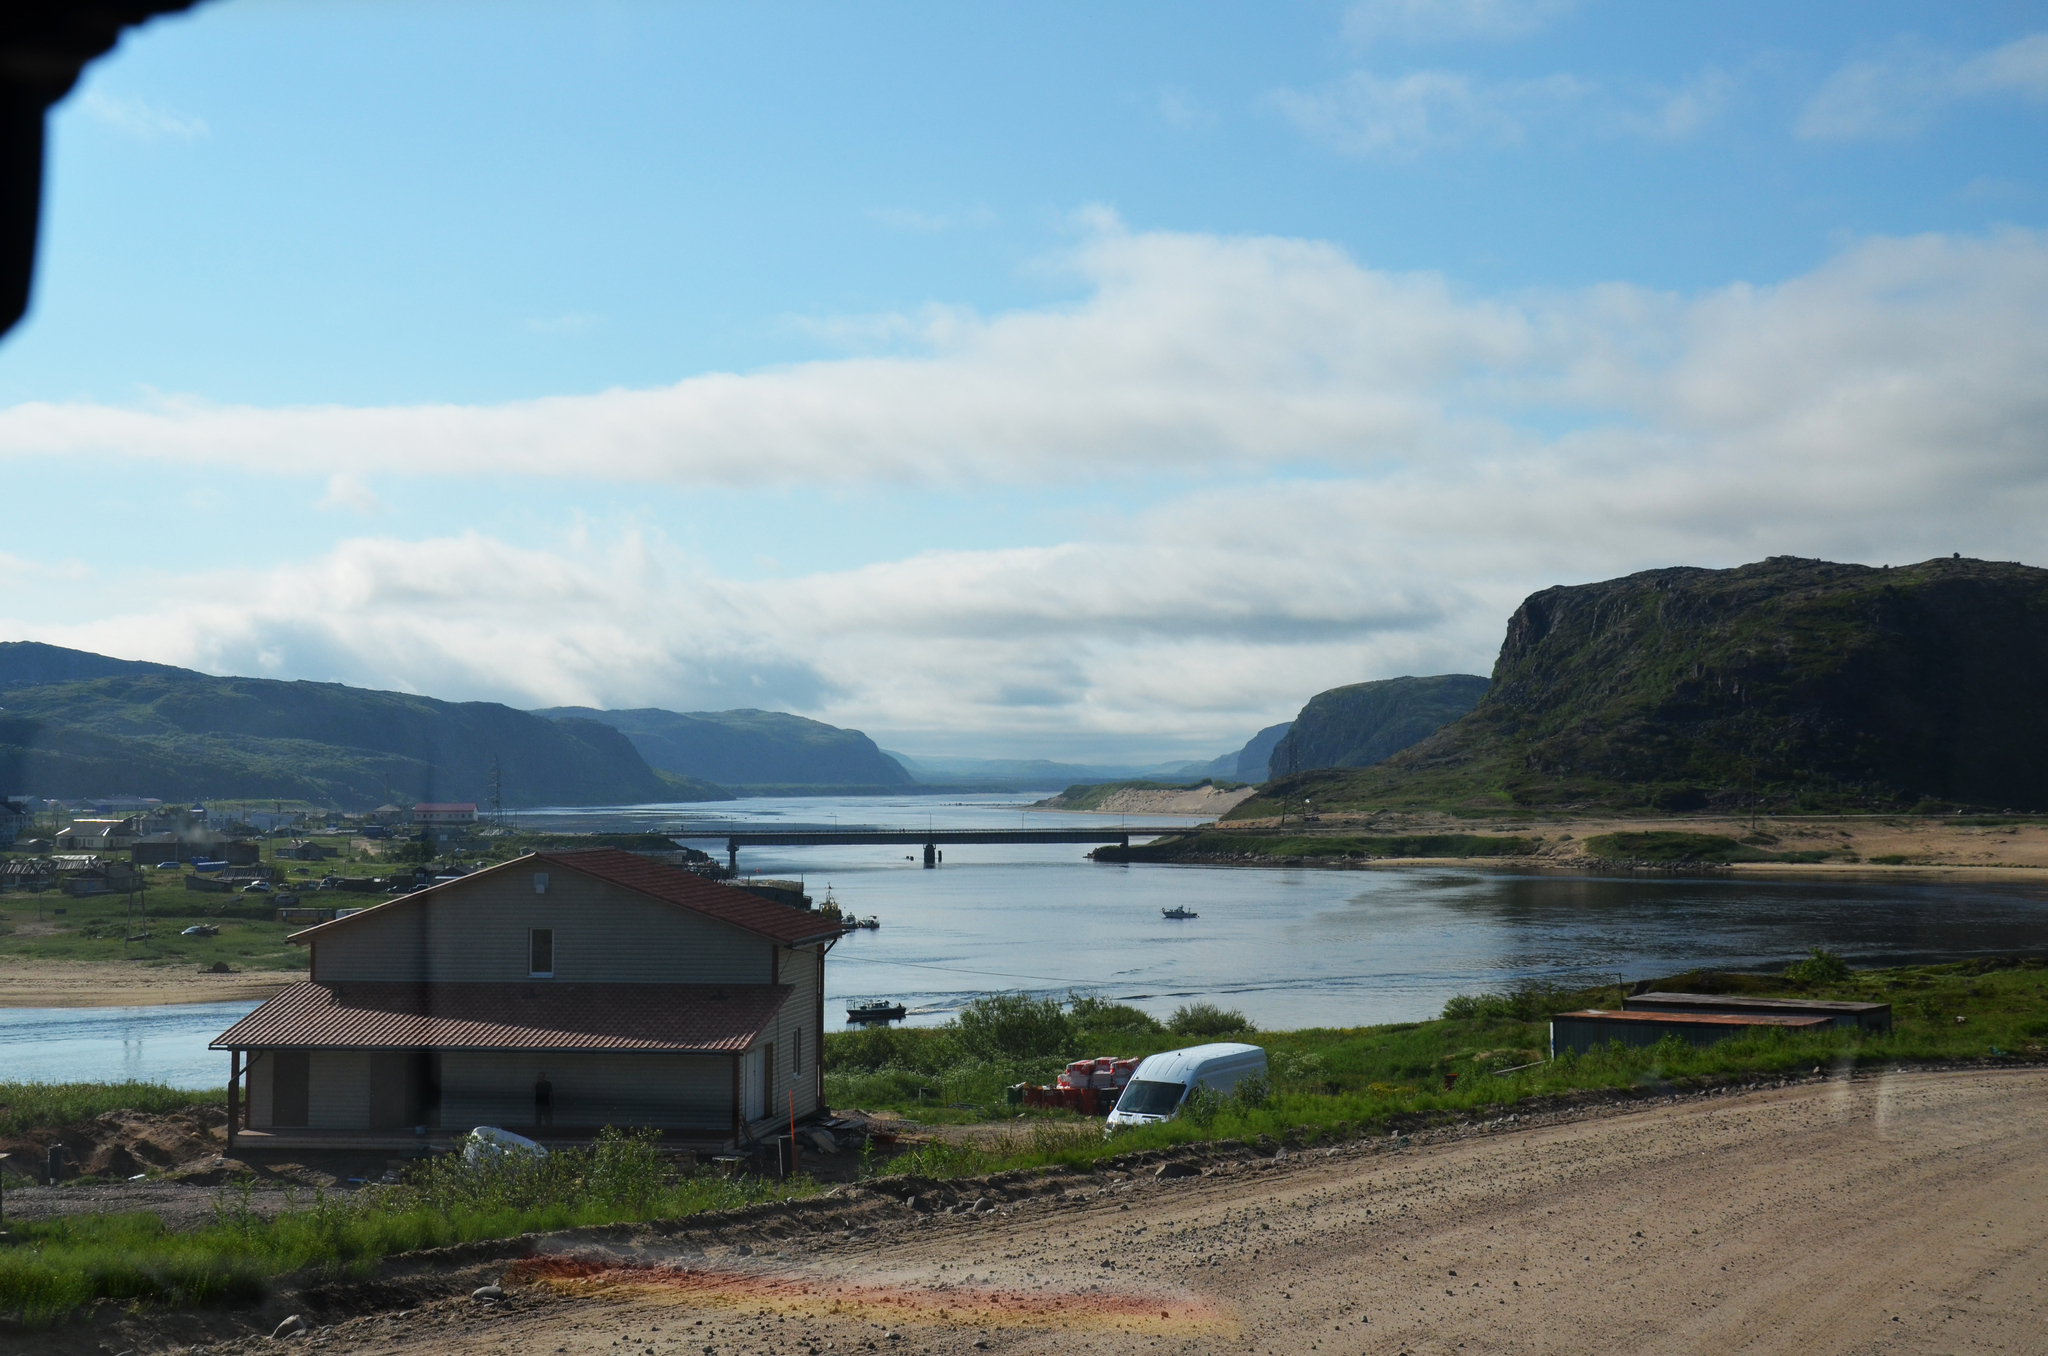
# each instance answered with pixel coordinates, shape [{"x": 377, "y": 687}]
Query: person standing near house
[{"x": 543, "y": 1100}]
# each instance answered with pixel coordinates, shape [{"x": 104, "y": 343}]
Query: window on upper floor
[{"x": 540, "y": 952}]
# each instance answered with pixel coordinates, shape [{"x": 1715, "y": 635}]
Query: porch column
[{"x": 234, "y": 1095}]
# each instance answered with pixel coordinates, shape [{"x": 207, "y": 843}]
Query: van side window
[{"x": 540, "y": 952}]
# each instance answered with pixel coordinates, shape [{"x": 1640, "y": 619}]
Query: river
[{"x": 1288, "y": 947}]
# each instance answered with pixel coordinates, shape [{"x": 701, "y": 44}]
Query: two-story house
[{"x": 636, "y": 993}]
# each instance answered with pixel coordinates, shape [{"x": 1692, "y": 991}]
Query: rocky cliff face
[
  {"x": 1365, "y": 723},
  {"x": 1799, "y": 683}
]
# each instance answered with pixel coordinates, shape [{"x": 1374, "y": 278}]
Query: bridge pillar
[
  {"x": 931, "y": 855},
  {"x": 732, "y": 856}
]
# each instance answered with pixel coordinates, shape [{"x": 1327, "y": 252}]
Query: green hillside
[
  {"x": 748, "y": 748},
  {"x": 1367, "y": 723},
  {"x": 1799, "y": 684},
  {"x": 174, "y": 733}
]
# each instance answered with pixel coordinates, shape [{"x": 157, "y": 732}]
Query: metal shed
[
  {"x": 1590, "y": 1030},
  {"x": 1865, "y": 1016}
]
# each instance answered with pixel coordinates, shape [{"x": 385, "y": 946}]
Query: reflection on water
[
  {"x": 1291, "y": 948},
  {"x": 113, "y": 1045}
]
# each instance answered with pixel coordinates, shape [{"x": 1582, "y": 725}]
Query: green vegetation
[
  {"x": 1367, "y": 723},
  {"x": 1359, "y": 1076},
  {"x": 1664, "y": 846},
  {"x": 186, "y": 734},
  {"x": 50, "y": 1268},
  {"x": 27, "y": 1106},
  {"x": 1225, "y": 843},
  {"x": 1795, "y": 685},
  {"x": 48, "y": 925}
]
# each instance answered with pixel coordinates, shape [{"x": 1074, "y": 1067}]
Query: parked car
[
  {"x": 168, "y": 866},
  {"x": 257, "y": 887},
  {"x": 200, "y": 930},
  {"x": 1162, "y": 1082}
]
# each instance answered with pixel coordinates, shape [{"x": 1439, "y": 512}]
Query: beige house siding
[
  {"x": 478, "y": 932},
  {"x": 338, "y": 1090},
  {"x": 794, "y": 1034},
  {"x": 678, "y": 1091}
]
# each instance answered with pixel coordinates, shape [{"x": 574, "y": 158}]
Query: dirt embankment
[
  {"x": 1208, "y": 801},
  {"x": 1892, "y": 1212}
]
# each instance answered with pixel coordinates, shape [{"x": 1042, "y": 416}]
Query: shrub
[
  {"x": 1206, "y": 1019},
  {"x": 1010, "y": 1026},
  {"x": 1102, "y": 1019},
  {"x": 1819, "y": 967}
]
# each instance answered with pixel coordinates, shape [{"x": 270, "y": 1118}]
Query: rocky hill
[
  {"x": 150, "y": 729},
  {"x": 747, "y": 747},
  {"x": 1366, "y": 723},
  {"x": 1796, "y": 684}
]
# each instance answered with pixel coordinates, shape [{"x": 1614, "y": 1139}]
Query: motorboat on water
[
  {"x": 1178, "y": 912},
  {"x": 880, "y": 1010}
]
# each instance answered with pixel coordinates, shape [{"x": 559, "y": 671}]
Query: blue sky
[{"x": 1066, "y": 381}]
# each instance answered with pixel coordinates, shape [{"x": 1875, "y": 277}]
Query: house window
[{"x": 541, "y": 952}]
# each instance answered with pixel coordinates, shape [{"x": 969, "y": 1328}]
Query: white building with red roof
[{"x": 634, "y": 993}]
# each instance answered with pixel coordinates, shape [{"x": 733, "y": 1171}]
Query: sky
[{"x": 1071, "y": 381}]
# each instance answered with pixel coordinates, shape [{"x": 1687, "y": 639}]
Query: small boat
[
  {"x": 1178, "y": 912},
  {"x": 880, "y": 1010},
  {"x": 870, "y": 923}
]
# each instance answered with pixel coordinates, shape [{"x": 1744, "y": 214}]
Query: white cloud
[
  {"x": 139, "y": 118},
  {"x": 1461, "y": 452},
  {"x": 1180, "y": 109},
  {"x": 1903, "y": 91},
  {"x": 346, "y": 490},
  {"x": 1450, "y": 20}
]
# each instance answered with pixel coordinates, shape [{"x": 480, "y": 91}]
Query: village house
[
  {"x": 100, "y": 835},
  {"x": 631, "y": 992}
]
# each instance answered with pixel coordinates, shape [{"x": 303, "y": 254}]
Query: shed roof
[
  {"x": 1743, "y": 1003},
  {"x": 673, "y": 1018},
  {"x": 1696, "y": 1018},
  {"x": 643, "y": 876}
]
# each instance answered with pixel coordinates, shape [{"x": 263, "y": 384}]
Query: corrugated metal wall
[
  {"x": 477, "y": 932},
  {"x": 671, "y": 1091}
]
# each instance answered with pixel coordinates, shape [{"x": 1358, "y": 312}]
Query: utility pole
[{"x": 497, "y": 788}]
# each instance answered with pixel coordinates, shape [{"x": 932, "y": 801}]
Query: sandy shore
[
  {"x": 78, "y": 984},
  {"x": 1881, "y": 844},
  {"x": 1206, "y": 801},
  {"x": 1896, "y": 1213}
]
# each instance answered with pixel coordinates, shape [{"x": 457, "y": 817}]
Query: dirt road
[{"x": 1896, "y": 1213}]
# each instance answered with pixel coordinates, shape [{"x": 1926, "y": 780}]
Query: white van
[{"x": 1162, "y": 1082}]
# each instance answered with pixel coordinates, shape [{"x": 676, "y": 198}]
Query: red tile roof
[
  {"x": 695, "y": 1018},
  {"x": 656, "y": 880},
  {"x": 673, "y": 885}
]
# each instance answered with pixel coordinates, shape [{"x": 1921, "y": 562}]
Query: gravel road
[{"x": 1893, "y": 1213}]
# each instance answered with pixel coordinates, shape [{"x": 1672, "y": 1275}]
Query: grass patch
[
  {"x": 51, "y": 1268},
  {"x": 1666, "y": 846},
  {"x": 97, "y": 929},
  {"x": 30, "y": 1106}
]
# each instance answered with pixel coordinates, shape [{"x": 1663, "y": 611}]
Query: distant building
[
  {"x": 642, "y": 994},
  {"x": 14, "y": 822},
  {"x": 100, "y": 835},
  {"x": 450, "y": 813}
]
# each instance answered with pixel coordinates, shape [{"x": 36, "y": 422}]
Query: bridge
[{"x": 930, "y": 839}]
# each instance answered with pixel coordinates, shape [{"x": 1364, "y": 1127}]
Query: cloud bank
[{"x": 1372, "y": 470}]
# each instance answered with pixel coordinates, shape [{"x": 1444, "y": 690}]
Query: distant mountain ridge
[
  {"x": 1801, "y": 684},
  {"x": 1365, "y": 723},
  {"x": 747, "y": 747},
  {"x": 107, "y": 725}
]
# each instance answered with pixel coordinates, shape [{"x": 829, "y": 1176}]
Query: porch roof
[{"x": 674, "y": 1018}]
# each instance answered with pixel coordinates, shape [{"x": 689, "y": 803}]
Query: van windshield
[{"x": 1147, "y": 1097}]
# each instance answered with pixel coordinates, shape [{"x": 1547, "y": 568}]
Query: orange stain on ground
[{"x": 874, "y": 1301}]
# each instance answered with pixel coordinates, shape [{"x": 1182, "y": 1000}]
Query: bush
[
  {"x": 1525, "y": 1003},
  {"x": 1819, "y": 967},
  {"x": 1206, "y": 1019},
  {"x": 1011, "y": 1026},
  {"x": 1102, "y": 1020}
]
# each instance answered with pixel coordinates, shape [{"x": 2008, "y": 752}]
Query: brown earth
[
  {"x": 1896, "y": 1212},
  {"x": 2018, "y": 849}
]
